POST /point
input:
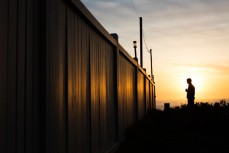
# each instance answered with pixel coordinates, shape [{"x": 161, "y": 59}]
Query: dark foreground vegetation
[{"x": 201, "y": 129}]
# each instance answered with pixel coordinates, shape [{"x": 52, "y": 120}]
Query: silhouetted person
[{"x": 190, "y": 92}]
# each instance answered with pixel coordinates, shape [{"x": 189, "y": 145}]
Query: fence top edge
[{"x": 77, "y": 4}]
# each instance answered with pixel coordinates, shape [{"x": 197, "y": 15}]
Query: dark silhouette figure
[{"x": 190, "y": 92}]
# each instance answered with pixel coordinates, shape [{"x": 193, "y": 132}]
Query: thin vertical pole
[
  {"x": 135, "y": 52},
  {"x": 151, "y": 68},
  {"x": 141, "y": 57}
]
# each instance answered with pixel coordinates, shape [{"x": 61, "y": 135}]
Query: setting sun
[
  {"x": 197, "y": 80},
  {"x": 187, "y": 42}
]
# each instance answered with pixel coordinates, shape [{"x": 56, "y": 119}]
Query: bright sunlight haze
[{"x": 188, "y": 38}]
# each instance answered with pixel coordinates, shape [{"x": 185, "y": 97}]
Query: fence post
[
  {"x": 136, "y": 92},
  {"x": 145, "y": 77},
  {"x": 116, "y": 81}
]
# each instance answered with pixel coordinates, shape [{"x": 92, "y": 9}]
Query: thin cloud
[
  {"x": 107, "y": 5},
  {"x": 220, "y": 69},
  {"x": 178, "y": 31},
  {"x": 172, "y": 27},
  {"x": 163, "y": 18}
]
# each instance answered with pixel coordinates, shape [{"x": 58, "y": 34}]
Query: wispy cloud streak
[{"x": 220, "y": 69}]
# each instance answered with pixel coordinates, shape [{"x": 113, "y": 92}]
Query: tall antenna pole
[{"x": 141, "y": 48}]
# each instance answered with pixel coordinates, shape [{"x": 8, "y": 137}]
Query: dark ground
[{"x": 202, "y": 129}]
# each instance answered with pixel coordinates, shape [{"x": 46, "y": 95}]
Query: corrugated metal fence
[{"x": 66, "y": 85}]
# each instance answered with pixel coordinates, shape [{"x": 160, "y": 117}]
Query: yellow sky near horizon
[
  {"x": 210, "y": 82},
  {"x": 204, "y": 58},
  {"x": 188, "y": 38}
]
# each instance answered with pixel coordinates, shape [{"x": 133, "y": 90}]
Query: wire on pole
[{"x": 136, "y": 11}]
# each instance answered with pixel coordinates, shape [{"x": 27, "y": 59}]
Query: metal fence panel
[
  {"x": 141, "y": 95},
  {"x": 66, "y": 85},
  {"x": 3, "y": 74},
  {"x": 78, "y": 84},
  {"x": 18, "y": 116},
  {"x": 147, "y": 94},
  {"x": 126, "y": 94},
  {"x": 56, "y": 53},
  {"x": 102, "y": 93}
]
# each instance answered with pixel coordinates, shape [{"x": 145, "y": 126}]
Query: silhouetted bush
[{"x": 201, "y": 128}]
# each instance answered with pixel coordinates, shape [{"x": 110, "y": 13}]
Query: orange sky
[
  {"x": 189, "y": 38},
  {"x": 210, "y": 82}
]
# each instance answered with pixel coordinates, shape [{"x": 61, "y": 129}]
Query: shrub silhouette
[{"x": 202, "y": 128}]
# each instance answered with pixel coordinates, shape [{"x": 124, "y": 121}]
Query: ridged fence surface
[{"x": 66, "y": 85}]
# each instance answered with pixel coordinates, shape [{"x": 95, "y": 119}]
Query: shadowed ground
[{"x": 202, "y": 129}]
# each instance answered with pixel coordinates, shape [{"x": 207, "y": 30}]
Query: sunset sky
[{"x": 188, "y": 38}]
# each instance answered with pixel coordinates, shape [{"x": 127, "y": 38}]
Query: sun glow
[{"x": 197, "y": 80}]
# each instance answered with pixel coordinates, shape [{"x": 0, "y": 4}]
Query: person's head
[{"x": 189, "y": 80}]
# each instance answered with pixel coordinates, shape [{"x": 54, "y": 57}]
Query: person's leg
[{"x": 190, "y": 102}]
